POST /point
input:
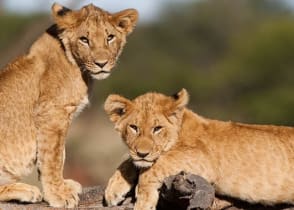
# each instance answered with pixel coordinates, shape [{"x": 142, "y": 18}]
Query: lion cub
[
  {"x": 41, "y": 92},
  {"x": 250, "y": 162}
]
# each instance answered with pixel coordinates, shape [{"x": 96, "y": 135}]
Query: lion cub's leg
[
  {"x": 172, "y": 163},
  {"x": 20, "y": 192},
  {"x": 52, "y": 128},
  {"x": 147, "y": 193},
  {"x": 121, "y": 183},
  {"x": 11, "y": 189}
]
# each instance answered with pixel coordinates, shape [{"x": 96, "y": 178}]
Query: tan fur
[
  {"x": 42, "y": 91},
  {"x": 251, "y": 162}
]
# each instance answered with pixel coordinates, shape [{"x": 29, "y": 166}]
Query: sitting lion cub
[
  {"x": 41, "y": 92},
  {"x": 250, "y": 162}
]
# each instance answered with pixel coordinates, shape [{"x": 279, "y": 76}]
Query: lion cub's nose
[
  {"x": 101, "y": 64},
  {"x": 142, "y": 154}
]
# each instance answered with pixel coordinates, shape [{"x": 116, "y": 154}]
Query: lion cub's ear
[
  {"x": 61, "y": 15},
  {"x": 181, "y": 99},
  {"x": 65, "y": 17},
  {"x": 116, "y": 106},
  {"x": 59, "y": 11},
  {"x": 126, "y": 20}
]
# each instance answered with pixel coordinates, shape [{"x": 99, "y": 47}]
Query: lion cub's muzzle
[
  {"x": 142, "y": 155},
  {"x": 101, "y": 72},
  {"x": 101, "y": 64},
  {"x": 99, "y": 69}
]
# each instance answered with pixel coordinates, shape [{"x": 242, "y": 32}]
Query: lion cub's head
[
  {"x": 149, "y": 124},
  {"x": 92, "y": 37}
]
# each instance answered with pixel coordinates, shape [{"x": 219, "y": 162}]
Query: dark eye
[
  {"x": 157, "y": 128},
  {"x": 84, "y": 39},
  {"x": 134, "y": 127},
  {"x": 110, "y": 37}
]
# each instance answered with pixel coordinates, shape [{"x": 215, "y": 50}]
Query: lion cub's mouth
[
  {"x": 143, "y": 163},
  {"x": 100, "y": 72}
]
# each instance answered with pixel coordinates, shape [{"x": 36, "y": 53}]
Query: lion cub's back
[{"x": 256, "y": 163}]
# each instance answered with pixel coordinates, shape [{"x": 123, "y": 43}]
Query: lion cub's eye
[
  {"x": 110, "y": 37},
  {"x": 157, "y": 129},
  {"x": 85, "y": 40},
  {"x": 134, "y": 128}
]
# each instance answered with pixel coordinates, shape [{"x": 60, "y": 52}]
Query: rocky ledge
[{"x": 183, "y": 191}]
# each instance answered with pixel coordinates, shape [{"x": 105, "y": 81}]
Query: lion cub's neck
[
  {"x": 190, "y": 118},
  {"x": 49, "y": 50},
  {"x": 50, "y": 60},
  {"x": 49, "y": 53},
  {"x": 193, "y": 125}
]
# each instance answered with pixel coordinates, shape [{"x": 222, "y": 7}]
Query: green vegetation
[
  {"x": 234, "y": 57},
  {"x": 11, "y": 28}
]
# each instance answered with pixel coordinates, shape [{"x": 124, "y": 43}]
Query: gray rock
[{"x": 186, "y": 191}]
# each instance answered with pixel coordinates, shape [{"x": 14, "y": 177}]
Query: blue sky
[{"x": 148, "y": 9}]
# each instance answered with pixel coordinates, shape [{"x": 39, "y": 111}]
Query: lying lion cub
[
  {"x": 250, "y": 162},
  {"x": 42, "y": 91}
]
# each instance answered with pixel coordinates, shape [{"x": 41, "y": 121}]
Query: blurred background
[{"x": 235, "y": 57}]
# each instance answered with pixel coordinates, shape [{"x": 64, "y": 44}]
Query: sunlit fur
[
  {"x": 146, "y": 113},
  {"x": 42, "y": 91},
  {"x": 96, "y": 26},
  {"x": 254, "y": 163}
]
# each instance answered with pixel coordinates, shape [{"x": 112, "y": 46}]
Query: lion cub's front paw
[
  {"x": 116, "y": 189},
  {"x": 115, "y": 194},
  {"x": 65, "y": 195},
  {"x": 113, "y": 198},
  {"x": 144, "y": 206}
]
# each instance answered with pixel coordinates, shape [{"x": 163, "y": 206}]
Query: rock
[
  {"x": 91, "y": 198},
  {"x": 180, "y": 192},
  {"x": 186, "y": 191}
]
